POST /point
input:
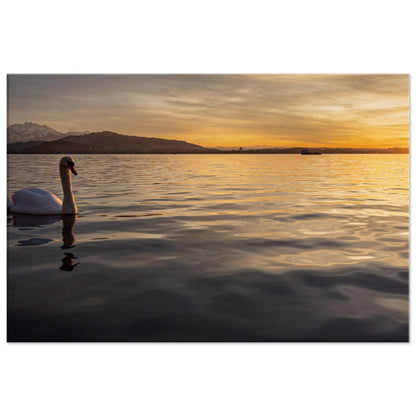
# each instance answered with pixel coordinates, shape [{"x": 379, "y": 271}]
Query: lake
[{"x": 239, "y": 247}]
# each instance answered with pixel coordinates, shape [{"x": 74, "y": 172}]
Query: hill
[
  {"x": 17, "y": 147},
  {"x": 110, "y": 142}
]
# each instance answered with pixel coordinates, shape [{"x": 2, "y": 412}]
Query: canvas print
[{"x": 208, "y": 207}]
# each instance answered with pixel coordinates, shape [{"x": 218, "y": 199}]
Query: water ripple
[{"x": 213, "y": 248}]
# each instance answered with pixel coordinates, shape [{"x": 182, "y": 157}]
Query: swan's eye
[{"x": 71, "y": 167}]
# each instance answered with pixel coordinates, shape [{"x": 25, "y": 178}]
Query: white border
[{"x": 204, "y": 37}]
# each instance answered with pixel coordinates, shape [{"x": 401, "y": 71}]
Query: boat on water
[{"x": 309, "y": 152}]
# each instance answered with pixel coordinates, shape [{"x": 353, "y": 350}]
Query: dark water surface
[{"x": 213, "y": 248}]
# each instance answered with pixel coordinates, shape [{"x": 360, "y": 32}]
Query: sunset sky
[{"x": 222, "y": 110}]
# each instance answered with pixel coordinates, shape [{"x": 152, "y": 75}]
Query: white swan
[{"x": 39, "y": 202}]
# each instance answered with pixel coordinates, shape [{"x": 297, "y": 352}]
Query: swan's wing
[
  {"x": 40, "y": 192},
  {"x": 36, "y": 201}
]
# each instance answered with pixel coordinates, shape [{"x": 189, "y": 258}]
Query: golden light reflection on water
[
  {"x": 236, "y": 238},
  {"x": 401, "y": 305}
]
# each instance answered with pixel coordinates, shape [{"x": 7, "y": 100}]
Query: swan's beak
[{"x": 73, "y": 170}]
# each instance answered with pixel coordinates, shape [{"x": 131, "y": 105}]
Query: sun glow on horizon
[{"x": 222, "y": 110}]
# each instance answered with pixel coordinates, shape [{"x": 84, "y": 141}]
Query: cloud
[{"x": 218, "y": 109}]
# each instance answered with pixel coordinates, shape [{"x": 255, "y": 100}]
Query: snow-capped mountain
[{"x": 32, "y": 131}]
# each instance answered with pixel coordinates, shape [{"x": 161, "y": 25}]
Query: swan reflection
[
  {"x": 67, "y": 231},
  {"x": 68, "y": 262},
  {"x": 27, "y": 220},
  {"x": 68, "y": 237}
]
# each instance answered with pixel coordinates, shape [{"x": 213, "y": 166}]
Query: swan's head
[{"x": 68, "y": 163}]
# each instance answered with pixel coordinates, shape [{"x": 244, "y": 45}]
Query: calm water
[{"x": 213, "y": 247}]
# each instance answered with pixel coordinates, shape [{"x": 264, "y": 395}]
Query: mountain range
[
  {"x": 29, "y": 131},
  {"x": 33, "y": 138}
]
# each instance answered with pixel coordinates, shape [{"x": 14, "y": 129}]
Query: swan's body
[
  {"x": 35, "y": 201},
  {"x": 39, "y": 202}
]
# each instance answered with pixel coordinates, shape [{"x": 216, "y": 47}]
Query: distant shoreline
[
  {"x": 108, "y": 142},
  {"x": 235, "y": 152}
]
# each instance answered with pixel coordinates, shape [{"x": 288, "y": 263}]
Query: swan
[{"x": 39, "y": 202}]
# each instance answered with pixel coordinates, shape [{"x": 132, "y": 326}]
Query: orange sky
[{"x": 222, "y": 110}]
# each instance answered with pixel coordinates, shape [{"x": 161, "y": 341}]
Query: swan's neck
[{"x": 68, "y": 206}]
